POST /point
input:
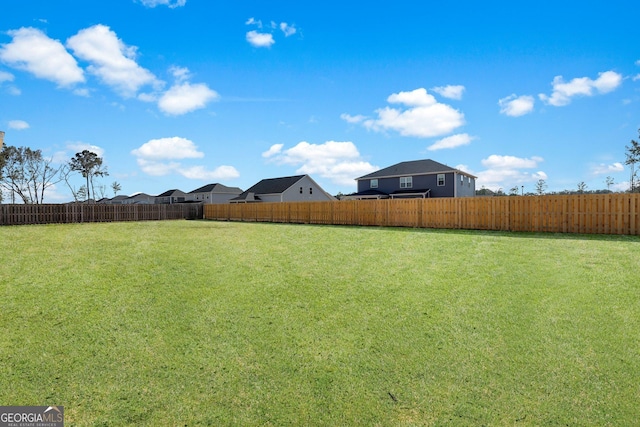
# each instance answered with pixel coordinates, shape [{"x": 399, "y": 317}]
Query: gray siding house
[
  {"x": 170, "y": 197},
  {"x": 213, "y": 193},
  {"x": 297, "y": 188},
  {"x": 117, "y": 200},
  {"x": 139, "y": 199},
  {"x": 415, "y": 179}
]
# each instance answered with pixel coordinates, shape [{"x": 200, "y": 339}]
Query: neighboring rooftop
[
  {"x": 216, "y": 188},
  {"x": 271, "y": 186},
  {"x": 414, "y": 167}
]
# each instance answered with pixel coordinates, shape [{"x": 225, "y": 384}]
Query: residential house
[
  {"x": 117, "y": 200},
  {"x": 297, "y": 188},
  {"x": 213, "y": 193},
  {"x": 170, "y": 197},
  {"x": 139, "y": 199},
  {"x": 415, "y": 179}
]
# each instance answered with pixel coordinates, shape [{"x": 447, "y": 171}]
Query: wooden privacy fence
[
  {"x": 75, "y": 212},
  {"x": 589, "y": 213}
]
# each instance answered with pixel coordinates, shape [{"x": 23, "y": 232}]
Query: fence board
[
  {"x": 587, "y": 213},
  {"x": 75, "y": 213}
]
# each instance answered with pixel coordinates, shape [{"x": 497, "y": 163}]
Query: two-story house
[
  {"x": 415, "y": 179},
  {"x": 213, "y": 193}
]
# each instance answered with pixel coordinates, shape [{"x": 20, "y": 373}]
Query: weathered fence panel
[
  {"x": 76, "y": 212},
  {"x": 587, "y": 213}
]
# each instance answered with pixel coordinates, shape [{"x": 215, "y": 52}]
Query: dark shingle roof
[
  {"x": 271, "y": 186},
  {"x": 168, "y": 193},
  {"x": 415, "y": 167},
  {"x": 217, "y": 188}
]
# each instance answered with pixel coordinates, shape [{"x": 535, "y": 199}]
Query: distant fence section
[
  {"x": 77, "y": 212},
  {"x": 589, "y": 213}
]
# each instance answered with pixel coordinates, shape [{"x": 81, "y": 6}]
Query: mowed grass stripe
[{"x": 215, "y": 323}]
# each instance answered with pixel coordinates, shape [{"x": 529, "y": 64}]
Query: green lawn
[{"x": 212, "y": 323}]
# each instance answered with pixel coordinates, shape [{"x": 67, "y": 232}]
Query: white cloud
[
  {"x": 287, "y": 29},
  {"x": 516, "y": 106},
  {"x": 510, "y": 162},
  {"x": 6, "y": 77},
  {"x": 563, "y": 91},
  {"x": 200, "y": 172},
  {"x": 415, "y": 98},
  {"x": 507, "y": 171},
  {"x": 155, "y": 168},
  {"x": 338, "y": 161},
  {"x": 18, "y": 125},
  {"x": 78, "y": 147},
  {"x": 180, "y": 74},
  {"x": 184, "y": 98},
  {"x": 425, "y": 117},
  {"x": 111, "y": 60},
  {"x": 168, "y": 148},
  {"x": 273, "y": 150},
  {"x": 353, "y": 119},
  {"x": 171, "y": 3},
  {"x": 32, "y": 51},
  {"x": 157, "y": 157},
  {"x": 257, "y": 39},
  {"x": 603, "y": 169},
  {"x": 253, "y": 21},
  {"x": 452, "y": 141},
  {"x": 84, "y": 92},
  {"x": 450, "y": 91}
]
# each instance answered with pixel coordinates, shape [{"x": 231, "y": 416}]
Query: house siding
[
  {"x": 292, "y": 194},
  {"x": 214, "y": 198},
  {"x": 465, "y": 188},
  {"x": 420, "y": 182}
]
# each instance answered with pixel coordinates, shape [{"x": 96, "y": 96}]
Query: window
[
  {"x": 310, "y": 190},
  {"x": 373, "y": 183},
  {"x": 469, "y": 178},
  {"x": 461, "y": 179},
  {"x": 440, "y": 179},
  {"x": 406, "y": 181},
  {"x": 300, "y": 190}
]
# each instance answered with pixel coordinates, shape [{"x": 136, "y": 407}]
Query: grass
[{"x": 211, "y": 323}]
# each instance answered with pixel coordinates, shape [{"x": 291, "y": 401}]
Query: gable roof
[
  {"x": 169, "y": 193},
  {"x": 274, "y": 185},
  {"x": 414, "y": 167},
  {"x": 269, "y": 186},
  {"x": 216, "y": 188}
]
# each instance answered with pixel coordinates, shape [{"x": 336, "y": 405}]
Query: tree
[
  {"x": 82, "y": 193},
  {"x": 26, "y": 173},
  {"x": 514, "y": 191},
  {"x": 541, "y": 186},
  {"x": 609, "y": 182},
  {"x": 115, "y": 186},
  {"x": 633, "y": 156},
  {"x": 89, "y": 165},
  {"x": 582, "y": 186}
]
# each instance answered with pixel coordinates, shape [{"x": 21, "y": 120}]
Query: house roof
[
  {"x": 139, "y": 195},
  {"x": 414, "y": 167},
  {"x": 169, "y": 193},
  {"x": 216, "y": 188},
  {"x": 270, "y": 186}
]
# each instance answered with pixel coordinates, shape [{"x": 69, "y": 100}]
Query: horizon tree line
[{"x": 26, "y": 174}]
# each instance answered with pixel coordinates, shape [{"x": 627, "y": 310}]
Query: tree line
[
  {"x": 26, "y": 174},
  {"x": 632, "y": 157}
]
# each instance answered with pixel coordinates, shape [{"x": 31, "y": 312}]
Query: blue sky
[{"x": 182, "y": 93}]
